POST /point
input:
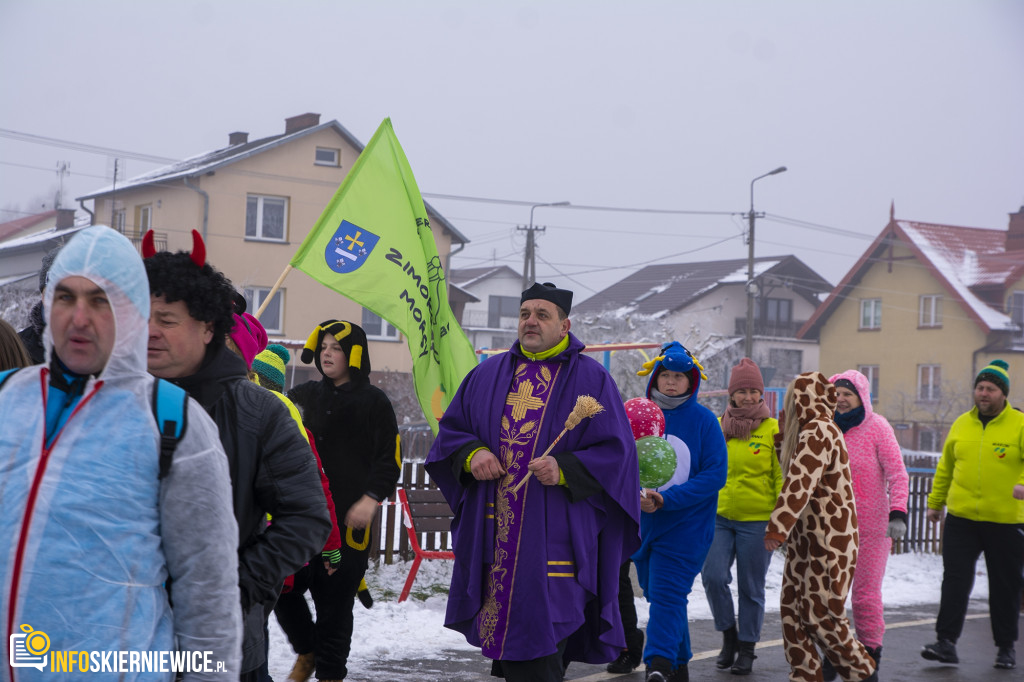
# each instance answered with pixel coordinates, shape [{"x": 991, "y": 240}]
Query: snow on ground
[{"x": 415, "y": 628}]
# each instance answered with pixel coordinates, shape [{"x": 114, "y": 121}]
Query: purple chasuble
[
  {"x": 524, "y": 413},
  {"x": 539, "y": 566}
]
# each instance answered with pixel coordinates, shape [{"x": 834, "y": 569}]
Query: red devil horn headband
[{"x": 198, "y": 248}]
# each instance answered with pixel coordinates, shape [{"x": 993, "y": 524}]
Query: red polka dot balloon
[{"x": 645, "y": 418}]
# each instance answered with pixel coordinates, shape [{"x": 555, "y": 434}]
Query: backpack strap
[{"x": 170, "y": 409}]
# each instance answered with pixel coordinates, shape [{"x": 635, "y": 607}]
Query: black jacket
[
  {"x": 272, "y": 471},
  {"x": 32, "y": 335},
  {"x": 356, "y": 436}
]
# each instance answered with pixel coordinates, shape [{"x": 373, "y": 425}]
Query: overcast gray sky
[{"x": 642, "y": 104}]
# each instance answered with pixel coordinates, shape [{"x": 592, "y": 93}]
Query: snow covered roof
[
  {"x": 39, "y": 237},
  {"x": 970, "y": 262},
  {"x": 210, "y": 161},
  {"x": 657, "y": 290},
  {"x": 467, "y": 277}
]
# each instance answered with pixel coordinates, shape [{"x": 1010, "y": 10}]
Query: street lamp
[
  {"x": 749, "y": 343},
  {"x": 529, "y": 255}
]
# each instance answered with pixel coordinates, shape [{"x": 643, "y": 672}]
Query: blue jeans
[{"x": 742, "y": 541}]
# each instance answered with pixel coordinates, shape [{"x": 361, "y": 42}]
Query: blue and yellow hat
[
  {"x": 352, "y": 339},
  {"x": 674, "y": 357},
  {"x": 270, "y": 366}
]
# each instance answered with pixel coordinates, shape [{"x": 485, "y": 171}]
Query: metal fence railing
[{"x": 391, "y": 542}]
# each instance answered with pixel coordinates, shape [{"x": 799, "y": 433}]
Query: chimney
[
  {"x": 1015, "y": 235},
  {"x": 65, "y": 218},
  {"x": 297, "y": 123},
  {"x": 237, "y": 138}
]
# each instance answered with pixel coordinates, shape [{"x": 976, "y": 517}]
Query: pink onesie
[{"x": 880, "y": 485}]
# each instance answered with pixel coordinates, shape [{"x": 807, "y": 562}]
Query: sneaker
[
  {"x": 658, "y": 670},
  {"x": 1006, "y": 658},
  {"x": 680, "y": 674},
  {"x": 624, "y": 664},
  {"x": 943, "y": 651}
]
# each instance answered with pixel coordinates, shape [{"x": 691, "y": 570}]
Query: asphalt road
[{"x": 907, "y": 630}]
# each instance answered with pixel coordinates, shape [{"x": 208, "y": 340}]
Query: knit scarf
[
  {"x": 847, "y": 420},
  {"x": 668, "y": 402},
  {"x": 738, "y": 422}
]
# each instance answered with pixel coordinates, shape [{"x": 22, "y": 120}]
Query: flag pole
[{"x": 277, "y": 285}]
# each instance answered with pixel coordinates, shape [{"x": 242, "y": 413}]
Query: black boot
[
  {"x": 744, "y": 659},
  {"x": 624, "y": 664},
  {"x": 828, "y": 673},
  {"x": 728, "y": 653},
  {"x": 680, "y": 674},
  {"x": 876, "y": 654}
]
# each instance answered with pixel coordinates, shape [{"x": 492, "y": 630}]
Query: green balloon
[{"x": 657, "y": 461}]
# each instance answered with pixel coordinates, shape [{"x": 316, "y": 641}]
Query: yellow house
[
  {"x": 254, "y": 202},
  {"x": 922, "y": 311}
]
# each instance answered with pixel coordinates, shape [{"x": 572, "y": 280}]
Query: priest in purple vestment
[{"x": 536, "y": 572}]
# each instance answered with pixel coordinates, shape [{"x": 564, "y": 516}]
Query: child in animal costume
[
  {"x": 356, "y": 434},
  {"x": 816, "y": 514},
  {"x": 678, "y": 522}
]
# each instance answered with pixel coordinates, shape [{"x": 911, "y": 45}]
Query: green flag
[{"x": 373, "y": 244}]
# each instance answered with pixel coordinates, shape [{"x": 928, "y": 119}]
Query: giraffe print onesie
[{"x": 816, "y": 512}]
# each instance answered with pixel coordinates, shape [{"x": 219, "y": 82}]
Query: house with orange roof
[{"x": 921, "y": 312}]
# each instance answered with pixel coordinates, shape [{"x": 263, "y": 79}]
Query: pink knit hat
[
  {"x": 745, "y": 375},
  {"x": 250, "y": 337}
]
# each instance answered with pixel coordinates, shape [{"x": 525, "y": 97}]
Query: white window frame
[
  {"x": 259, "y": 235},
  {"x": 119, "y": 220},
  {"x": 145, "y": 217},
  {"x": 254, "y": 297},
  {"x": 334, "y": 162},
  {"x": 929, "y": 311},
  {"x": 871, "y": 372},
  {"x": 935, "y": 436},
  {"x": 929, "y": 383},
  {"x": 389, "y": 333},
  {"x": 873, "y": 307}
]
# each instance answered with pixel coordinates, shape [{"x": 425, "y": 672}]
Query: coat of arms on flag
[{"x": 349, "y": 247}]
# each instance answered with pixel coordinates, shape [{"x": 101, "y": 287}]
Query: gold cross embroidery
[
  {"x": 523, "y": 400},
  {"x": 354, "y": 240}
]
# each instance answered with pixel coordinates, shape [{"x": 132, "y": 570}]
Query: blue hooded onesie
[{"x": 676, "y": 538}]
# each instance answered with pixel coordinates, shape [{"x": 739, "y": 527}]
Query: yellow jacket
[
  {"x": 980, "y": 466},
  {"x": 754, "y": 479}
]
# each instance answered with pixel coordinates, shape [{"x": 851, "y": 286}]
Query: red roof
[
  {"x": 20, "y": 225},
  {"x": 963, "y": 259}
]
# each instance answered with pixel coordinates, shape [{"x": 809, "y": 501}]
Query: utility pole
[
  {"x": 749, "y": 340},
  {"x": 530, "y": 255},
  {"x": 530, "y": 252}
]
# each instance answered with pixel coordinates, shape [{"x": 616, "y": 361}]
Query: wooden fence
[
  {"x": 388, "y": 534},
  {"x": 389, "y": 537}
]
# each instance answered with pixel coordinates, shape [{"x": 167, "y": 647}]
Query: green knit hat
[
  {"x": 270, "y": 364},
  {"x": 998, "y": 372}
]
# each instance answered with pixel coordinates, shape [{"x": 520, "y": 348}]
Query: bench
[{"x": 424, "y": 510}]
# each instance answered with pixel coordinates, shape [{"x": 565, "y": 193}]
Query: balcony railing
[
  {"x": 159, "y": 240},
  {"x": 776, "y": 328},
  {"x": 481, "y": 319}
]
